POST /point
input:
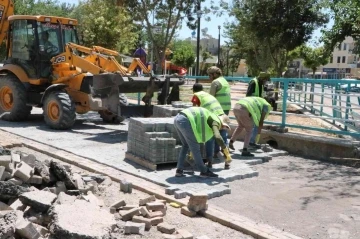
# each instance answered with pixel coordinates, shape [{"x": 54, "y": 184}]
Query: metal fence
[{"x": 334, "y": 101}]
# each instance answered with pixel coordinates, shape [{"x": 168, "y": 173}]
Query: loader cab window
[{"x": 22, "y": 50}]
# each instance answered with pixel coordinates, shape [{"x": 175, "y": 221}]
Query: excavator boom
[{"x": 6, "y": 10}]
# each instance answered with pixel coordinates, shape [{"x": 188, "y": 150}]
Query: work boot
[
  {"x": 208, "y": 174},
  {"x": 231, "y": 145},
  {"x": 179, "y": 173},
  {"x": 254, "y": 146},
  {"x": 246, "y": 153},
  {"x": 209, "y": 164},
  {"x": 227, "y": 166}
]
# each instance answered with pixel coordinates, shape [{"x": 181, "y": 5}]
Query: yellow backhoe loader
[{"x": 46, "y": 67}]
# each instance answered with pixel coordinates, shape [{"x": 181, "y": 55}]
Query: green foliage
[
  {"x": 105, "y": 24},
  {"x": 43, "y": 7},
  {"x": 346, "y": 15},
  {"x": 266, "y": 31},
  {"x": 314, "y": 57},
  {"x": 183, "y": 54}
]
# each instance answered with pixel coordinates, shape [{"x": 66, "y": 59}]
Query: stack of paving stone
[
  {"x": 153, "y": 139},
  {"x": 170, "y": 110}
]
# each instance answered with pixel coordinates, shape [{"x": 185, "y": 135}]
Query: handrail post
[
  {"x": 139, "y": 96},
  {"x": 285, "y": 95},
  {"x": 347, "y": 107},
  {"x": 305, "y": 95},
  {"x": 322, "y": 99}
]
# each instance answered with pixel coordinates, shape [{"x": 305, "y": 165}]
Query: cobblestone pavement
[{"x": 93, "y": 139}]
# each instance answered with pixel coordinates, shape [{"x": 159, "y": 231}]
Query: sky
[{"x": 212, "y": 26}]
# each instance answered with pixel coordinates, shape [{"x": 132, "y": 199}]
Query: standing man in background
[{"x": 220, "y": 89}]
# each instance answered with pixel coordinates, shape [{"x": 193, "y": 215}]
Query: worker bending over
[
  {"x": 195, "y": 126},
  {"x": 209, "y": 102},
  {"x": 249, "y": 111}
]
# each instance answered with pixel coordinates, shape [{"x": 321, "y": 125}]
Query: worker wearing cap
[
  {"x": 220, "y": 89},
  {"x": 195, "y": 126},
  {"x": 256, "y": 88},
  {"x": 209, "y": 102},
  {"x": 249, "y": 111}
]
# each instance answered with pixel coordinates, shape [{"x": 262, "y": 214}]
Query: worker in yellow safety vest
[
  {"x": 209, "y": 102},
  {"x": 195, "y": 126},
  {"x": 256, "y": 88},
  {"x": 249, "y": 111},
  {"x": 220, "y": 88}
]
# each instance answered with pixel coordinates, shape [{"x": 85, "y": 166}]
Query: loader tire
[
  {"x": 13, "y": 99},
  {"x": 59, "y": 110}
]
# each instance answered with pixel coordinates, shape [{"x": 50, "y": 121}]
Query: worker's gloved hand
[{"x": 228, "y": 158}]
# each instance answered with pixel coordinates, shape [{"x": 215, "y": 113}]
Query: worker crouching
[
  {"x": 195, "y": 126},
  {"x": 249, "y": 111}
]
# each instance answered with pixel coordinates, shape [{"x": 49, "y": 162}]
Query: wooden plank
[{"x": 141, "y": 161}]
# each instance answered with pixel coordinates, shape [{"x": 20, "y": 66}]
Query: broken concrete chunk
[
  {"x": 39, "y": 200},
  {"x": 187, "y": 212},
  {"x": 91, "y": 221},
  {"x": 90, "y": 197},
  {"x": 62, "y": 174},
  {"x": 15, "y": 157},
  {"x": 16, "y": 181},
  {"x": 166, "y": 228},
  {"x": 198, "y": 202},
  {"x": 155, "y": 206},
  {"x": 7, "y": 225},
  {"x": 8, "y": 190},
  {"x": 27, "y": 230},
  {"x": 142, "y": 202},
  {"x": 5, "y": 207},
  {"x": 156, "y": 220},
  {"x": 125, "y": 186},
  {"x": 185, "y": 234},
  {"x": 36, "y": 217},
  {"x": 18, "y": 205},
  {"x": 139, "y": 219},
  {"x": 60, "y": 187},
  {"x": 44, "y": 232},
  {"x": 30, "y": 159},
  {"x": 79, "y": 183},
  {"x": 64, "y": 198},
  {"x": 2, "y": 170},
  {"x": 134, "y": 228},
  {"x": 128, "y": 215},
  {"x": 5, "y": 160},
  {"x": 42, "y": 169},
  {"x": 23, "y": 171},
  {"x": 5, "y": 176},
  {"x": 35, "y": 179},
  {"x": 118, "y": 204},
  {"x": 73, "y": 192}
]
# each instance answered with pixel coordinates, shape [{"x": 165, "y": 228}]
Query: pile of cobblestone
[
  {"x": 154, "y": 139},
  {"x": 170, "y": 110}
]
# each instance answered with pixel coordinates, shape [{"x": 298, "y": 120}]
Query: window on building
[
  {"x": 343, "y": 59},
  {"x": 331, "y": 59},
  {"x": 338, "y": 59},
  {"x": 339, "y": 47},
  {"x": 344, "y": 46}
]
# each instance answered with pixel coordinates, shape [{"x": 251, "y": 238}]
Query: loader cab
[{"x": 34, "y": 40}]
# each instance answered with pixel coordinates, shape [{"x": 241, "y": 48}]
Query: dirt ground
[
  {"x": 307, "y": 198},
  {"x": 198, "y": 226}
]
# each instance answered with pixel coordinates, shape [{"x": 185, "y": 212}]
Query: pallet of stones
[
  {"x": 170, "y": 110},
  {"x": 36, "y": 199}
]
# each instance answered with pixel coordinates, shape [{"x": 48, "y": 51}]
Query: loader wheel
[
  {"x": 109, "y": 117},
  {"x": 59, "y": 110},
  {"x": 13, "y": 98}
]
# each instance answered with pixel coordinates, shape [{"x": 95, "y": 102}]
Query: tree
[
  {"x": 43, "y": 7},
  {"x": 314, "y": 57},
  {"x": 105, "y": 24},
  {"x": 183, "y": 54},
  {"x": 271, "y": 29},
  {"x": 346, "y": 16}
]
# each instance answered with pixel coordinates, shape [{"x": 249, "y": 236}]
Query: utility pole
[
  {"x": 198, "y": 39},
  {"x": 218, "y": 63}
]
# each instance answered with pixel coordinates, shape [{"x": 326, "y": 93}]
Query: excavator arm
[{"x": 6, "y": 10}]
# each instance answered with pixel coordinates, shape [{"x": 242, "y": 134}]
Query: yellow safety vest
[
  {"x": 255, "y": 107},
  {"x": 198, "y": 117},
  {"x": 223, "y": 95},
  {"x": 256, "y": 93},
  {"x": 209, "y": 102}
]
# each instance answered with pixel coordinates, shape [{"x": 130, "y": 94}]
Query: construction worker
[
  {"x": 209, "y": 102},
  {"x": 249, "y": 111},
  {"x": 220, "y": 89},
  {"x": 256, "y": 88},
  {"x": 195, "y": 126}
]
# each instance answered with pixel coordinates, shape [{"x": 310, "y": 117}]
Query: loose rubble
[{"x": 47, "y": 200}]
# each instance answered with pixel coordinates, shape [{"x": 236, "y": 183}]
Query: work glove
[
  {"x": 257, "y": 138},
  {"x": 228, "y": 158}
]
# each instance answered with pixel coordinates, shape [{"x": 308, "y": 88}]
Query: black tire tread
[
  {"x": 20, "y": 110},
  {"x": 67, "y": 111}
]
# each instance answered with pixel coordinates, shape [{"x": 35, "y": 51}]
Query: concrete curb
[{"x": 224, "y": 217}]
